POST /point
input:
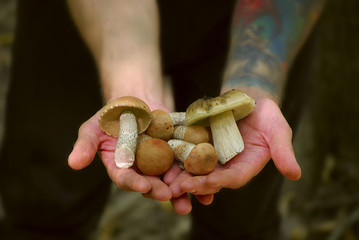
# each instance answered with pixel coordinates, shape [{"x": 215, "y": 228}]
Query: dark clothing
[{"x": 54, "y": 88}]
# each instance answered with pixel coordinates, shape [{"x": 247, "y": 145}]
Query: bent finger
[
  {"x": 85, "y": 148},
  {"x": 182, "y": 205},
  {"x": 159, "y": 190},
  {"x": 205, "y": 199}
]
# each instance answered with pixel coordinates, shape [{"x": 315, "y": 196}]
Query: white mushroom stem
[
  {"x": 181, "y": 149},
  {"x": 127, "y": 140},
  {"x": 180, "y": 132},
  {"x": 227, "y": 139},
  {"x": 178, "y": 118}
]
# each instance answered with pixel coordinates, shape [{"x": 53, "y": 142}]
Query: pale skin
[
  {"x": 123, "y": 37},
  {"x": 128, "y": 53}
]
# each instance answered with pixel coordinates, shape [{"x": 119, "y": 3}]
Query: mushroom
[
  {"x": 194, "y": 134},
  {"x": 197, "y": 159},
  {"x": 221, "y": 114},
  {"x": 162, "y": 124},
  {"x": 153, "y": 156},
  {"x": 125, "y": 118}
]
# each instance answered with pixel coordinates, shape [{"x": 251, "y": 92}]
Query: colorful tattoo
[{"x": 266, "y": 35}]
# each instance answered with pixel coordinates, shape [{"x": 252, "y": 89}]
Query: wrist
[{"x": 136, "y": 76}]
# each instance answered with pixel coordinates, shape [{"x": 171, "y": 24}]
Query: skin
[
  {"x": 123, "y": 38},
  {"x": 266, "y": 36}
]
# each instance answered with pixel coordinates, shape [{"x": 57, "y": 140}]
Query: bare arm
[
  {"x": 266, "y": 36},
  {"x": 123, "y": 36}
]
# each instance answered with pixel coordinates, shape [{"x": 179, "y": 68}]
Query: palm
[
  {"x": 266, "y": 135},
  {"x": 92, "y": 140}
]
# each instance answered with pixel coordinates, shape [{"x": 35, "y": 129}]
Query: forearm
[
  {"x": 266, "y": 36},
  {"x": 123, "y": 38}
]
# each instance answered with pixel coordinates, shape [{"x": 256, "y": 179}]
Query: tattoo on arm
[{"x": 266, "y": 35}]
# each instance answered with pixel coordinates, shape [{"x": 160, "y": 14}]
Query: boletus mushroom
[
  {"x": 194, "y": 134},
  {"x": 221, "y": 114},
  {"x": 197, "y": 159},
  {"x": 162, "y": 124},
  {"x": 125, "y": 118},
  {"x": 154, "y": 156}
]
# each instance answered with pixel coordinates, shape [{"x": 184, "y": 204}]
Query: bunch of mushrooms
[
  {"x": 189, "y": 143},
  {"x": 178, "y": 135},
  {"x": 221, "y": 114}
]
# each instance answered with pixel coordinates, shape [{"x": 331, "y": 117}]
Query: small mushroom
[
  {"x": 221, "y": 114},
  {"x": 162, "y": 124},
  {"x": 194, "y": 134},
  {"x": 197, "y": 159},
  {"x": 125, "y": 118},
  {"x": 153, "y": 156}
]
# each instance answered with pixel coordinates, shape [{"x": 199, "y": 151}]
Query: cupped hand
[
  {"x": 266, "y": 135},
  {"x": 92, "y": 140}
]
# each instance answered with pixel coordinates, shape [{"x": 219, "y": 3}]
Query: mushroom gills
[
  {"x": 127, "y": 140},
  {"x": 222, "y": 126}
]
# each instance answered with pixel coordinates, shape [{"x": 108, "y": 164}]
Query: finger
[
  {"x": 175, "y": 186},
  {"x": 129, "y": 180},
  {"x": 85, "y": 148},
  {"x": 182, "y": 205},
  {"x": 172, "y": 173},
  {"x": 281, "y": 148},
  {"x": 159, "y": 191},
  {"x": 198, "y": 186},
  {"x": 205, "y": 199},
  {"x": 126, "y": 179},
  {"x": 240, "y": 170}
]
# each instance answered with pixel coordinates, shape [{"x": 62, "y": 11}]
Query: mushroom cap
[
  {"x": 109, "y": 119},
  {"x": 154, "y": 156},
  {"x": 234, "y": 100},
  {"x": 202, "y": 159},
  {"x": 194, "y": 134},
  {"x": 161, "y": 125}
]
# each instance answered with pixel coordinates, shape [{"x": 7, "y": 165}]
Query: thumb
[
  {"x": 282, "y": 152},
  {"x": 84, "y": 150}
]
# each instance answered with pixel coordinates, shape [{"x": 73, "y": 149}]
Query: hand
[
  {"x": 92, "y": 140},
  {"x": 180, "y": 199},
  {"x": 266, "y": 135}
]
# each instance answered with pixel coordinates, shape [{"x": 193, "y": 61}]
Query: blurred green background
[{"x": 324, "y": 204}]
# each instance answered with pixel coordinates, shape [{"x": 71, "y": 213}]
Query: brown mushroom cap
[
  {"x": 161, "y": 125},
  {"x": 194, "y": 134},
  {"x": 234, "y": 100},
  {"x": 110, "y": 114},
  {"x": 202, "y": 159},
  {"x": 154, "y": 156}
]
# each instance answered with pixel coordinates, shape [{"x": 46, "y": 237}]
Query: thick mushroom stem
[
  {"x": 227, "y": 139},
  {"x": 127, "y": 140}
]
